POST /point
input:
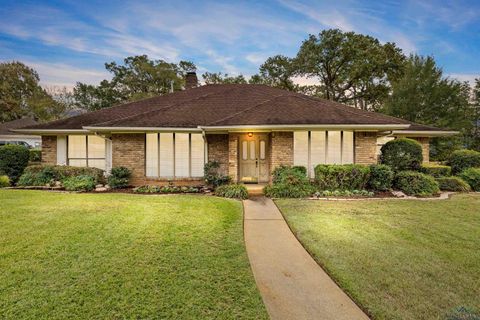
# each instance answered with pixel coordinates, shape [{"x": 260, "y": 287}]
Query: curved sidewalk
[{"x": 292, "y": 284}]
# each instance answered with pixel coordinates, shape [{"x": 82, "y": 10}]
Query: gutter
[
  {"x": 420, "y": 133},
  {"x": 46, "y": 132},
  {"x": 140, "y": 129},
  {"x": 363, "y": 127}
]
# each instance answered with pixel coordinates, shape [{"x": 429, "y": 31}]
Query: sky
[{"x": 70, "y": 41}]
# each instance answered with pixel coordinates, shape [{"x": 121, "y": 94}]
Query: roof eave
[
  {"x": 140, "y": 129},
  {"x": 49, "y": 131},
  {"x": 285, "y": 127},
  {"x": 423, "y": 133}
]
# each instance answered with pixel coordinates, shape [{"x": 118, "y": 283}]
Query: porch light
[{"x": 250, "y": 134}]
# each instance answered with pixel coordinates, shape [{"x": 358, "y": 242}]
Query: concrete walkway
[{"x": 291, "y": 283}]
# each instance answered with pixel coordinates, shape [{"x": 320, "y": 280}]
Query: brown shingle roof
[
  {"x": 224, "y": 105},
  {"x": 15, "y": 124}
]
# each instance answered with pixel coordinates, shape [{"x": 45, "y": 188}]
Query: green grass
[
  {"x": 118, "y": 256},
  {"x": 398, "y": 259}
]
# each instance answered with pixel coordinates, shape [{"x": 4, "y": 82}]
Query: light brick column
[
  {"x": 281, "y": 149},
  {"x": 233, "y": 156},
  {"x": 218, "y": 150},
  {"x": 128, "y": 150},
  {"x": 425, "y": 142},
  {"x": 365, "y": 147},
  {"x": 49, "y": 150}
]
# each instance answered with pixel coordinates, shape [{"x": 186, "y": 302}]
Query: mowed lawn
[
  {"x": 398, "y": 259},
  {"x": 120, "y": 256}
]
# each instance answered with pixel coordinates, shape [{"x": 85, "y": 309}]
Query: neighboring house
[
  {"x": 9, "y": 137},
  {"x": 248, "y": 129}
]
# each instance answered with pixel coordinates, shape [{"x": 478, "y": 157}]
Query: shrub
[
  {"x": 472, "y": 177},
  {"x": 464, "y": 159},
  {"x": 341, "y": 177},
  {"x": 119, "y": 177},
  {"x": 79, "y": 183},
  {"x": 453, "y": 184},
  {"x": 35, "y": 155},
  {"x": 290, "y": 175},
  {"x": 212, "y": 176},
  {"x": 436, "y": 170},
  {"x": 13, "y": 160},
  {"x": 402, "y": 154},
  {"x": 289, "y": 190},
  {"x": 344, "y": 193},
  {"x": 4, "y": 182},
  {"x": 416, "y": 183},
  {"x": 381, "y": 177},
  {"x": 40, "y": 175},
  {"x": 237, "y": 191},
  {"x": 166, "y": 189}
]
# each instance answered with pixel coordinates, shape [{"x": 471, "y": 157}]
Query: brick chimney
[{"x": 191, "y": 80}]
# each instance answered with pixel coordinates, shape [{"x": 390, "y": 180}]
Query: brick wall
[
  {"x": 281, "y": 149},
  {"x": 365, "y": 147},
  {"x": 218, "y": 150},
  {"x": 128, "y": 150},
  {"x": 425, "y": 142},
  {"x": 233, "y": 156},
  {"x": 49, "y": 150}
]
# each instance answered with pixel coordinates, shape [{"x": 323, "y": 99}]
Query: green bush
[
  {"x": 464, "y": 159},
  {"x": 4, "y": 182},
  {"x": 472, "y": 177},
  {"x": 381, "y": 177},
  {"x": 35, "y": 155},
  {"x": 416, "y": 183},
  {"x": 13, "y": 160},
  {"x": 237, "y": 191},
  {"x": 40, "y": 175},
  {"x": 453, "y": 184},
  {"x": 119, "y": 177},
  {"x": 289, "y": 190},
  {"x": 79, "y": 183},
  {"x": 212, "y": 176},
  {"x": 166, "y": 189},
  {"x": 290, "y": 175},
  {"x": 341, "y": 177},
  {"x": 436, "y": 170},
  {"x": 344, "y": 193},
  {"x": 402, "y": 154}
]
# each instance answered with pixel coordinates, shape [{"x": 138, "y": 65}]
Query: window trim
[{"x": 86, "y": 151}]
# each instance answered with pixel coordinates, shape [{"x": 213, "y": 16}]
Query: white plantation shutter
[
  {"x": 317, "y": 150},
  {"x": 300, "y": 148},
  {"x": 166, "y": 155},
  {"x": 197, "y": 154},
  {"x": 61, "y": 150},
  {"x": 96, "y": 152},
  {"x": 347, "y": 147},
  {"x": 182, "y": 155},
  {"x": 334, "y": 150},
  {"x": 152, "y": 155}
]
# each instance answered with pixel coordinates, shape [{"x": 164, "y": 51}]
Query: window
[
  {"x": 174, "y": 155},
  {"x": 334, "y": 147},
  {"x": 262, "y": 149},
  {"x": 86, "y": 151},
  {"x": 317, "y": 150},
  {"x": 300, "y": 147},
  {"x": 347, "y": 147},
  {"x": 253, "y": 155}
]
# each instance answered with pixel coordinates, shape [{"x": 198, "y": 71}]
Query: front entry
[{"x": 253, "y": 162}]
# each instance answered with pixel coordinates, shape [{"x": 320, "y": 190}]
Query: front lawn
[
  {"x": 399, "y": 259},
  {"x": 119, "y": 256}
]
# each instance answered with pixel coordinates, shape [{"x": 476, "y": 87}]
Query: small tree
[
  {"x": 402, "y": 154},
  {"x": 13, "y": 160}
]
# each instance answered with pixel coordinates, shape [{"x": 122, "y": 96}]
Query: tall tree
[
  {"x": 137, "y": 78},
  {"x": 475, "y": 136},
  {"x": 222, "y": 78},
  {"x": 277, "y": 72},
  {"x": 350, "y": 68},
  {"x": 22, "y": 96}
]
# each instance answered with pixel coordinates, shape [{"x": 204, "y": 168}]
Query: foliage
[
  {"x": 35, "y": 155},
  {"x": 138, "y": 78},
  {"x": 276, "y": 71},
  {"x": 13, "y": 160},
  {"x": 436, "y": 170},
  {"x": 40, "y": 175},
  {"x": 212, "y": 175},
  {"x": 79, "y": 183},
  {"x": 22, "y": 96},
  {"x": 463, "y": 313},
  {"x": 452, "y": 184},
  {"x": 343, "y": 193},
  {"x": 416, "y": 183},
  {"x": 219, "y": 78},
  {"x": 119, "y": 177},
  {"x": 166, "y": 189},
  {"x": 472, "y": 177},
  {"x": 290, "y": 175},
  {"x": 464, "y": 159},
  {"x": 341, "y": 177},
  {"x": 381, "y": 177},
  {"x": 4, "y": 181},
  {"x": 352, "y": 68},
  {"x": 237, "y": 191},
  {"x": 284, "y": 190},
  {"x": 402, "y": 154}
]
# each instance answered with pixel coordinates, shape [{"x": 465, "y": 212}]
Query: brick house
[{"x": 248, "y": 129}]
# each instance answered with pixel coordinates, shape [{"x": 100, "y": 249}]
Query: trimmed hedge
[
  {"x": 436, "y": 170},
  {"x": 13, "y": 160},
  {"x": 381, "y": 177},
  {"x": 119, "y": 177},
  {"x": 284, "y": 190},
  {"x": 79, "y": 183},
  {"x": 35, "y": 155},
  {"x": 166, "y": 189},
  {"x": 472, "y": 177},
  {"x": 290, "y": 175},
  {"x": 402, "y": 154},
  {"x": 416, "y": 183},
  {"x": 464, "y": 159},
  {"x": 341, "y": 177},
  {"x": 40, "y": 175},
  {"x": 453, "y": 184},
  {"x": 4, "y": 182},
  {"x": 237, "y": 191}
]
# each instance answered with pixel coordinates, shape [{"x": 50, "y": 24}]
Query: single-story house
[
  {"x": 9, "y": 137},
  {"x": 248, "y": 129}
]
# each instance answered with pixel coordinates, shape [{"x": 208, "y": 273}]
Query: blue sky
[{"x": 69, "y": 41}]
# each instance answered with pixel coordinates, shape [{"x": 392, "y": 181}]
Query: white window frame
[{"x": 87, "y": 158}]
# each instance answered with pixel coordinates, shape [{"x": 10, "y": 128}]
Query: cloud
[{"x": 470, "y": 77}]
